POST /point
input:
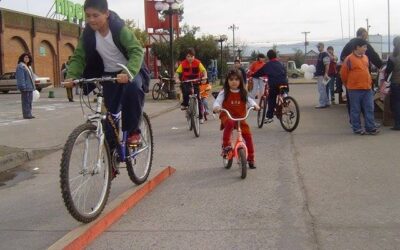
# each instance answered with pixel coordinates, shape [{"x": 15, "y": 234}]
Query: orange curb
[{"x": 98, "y": 227}]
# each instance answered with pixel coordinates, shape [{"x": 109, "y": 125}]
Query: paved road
[{"x": 320, "y": 187}]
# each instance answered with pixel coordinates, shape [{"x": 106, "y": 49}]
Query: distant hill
[{"x": 337, "y": 44}]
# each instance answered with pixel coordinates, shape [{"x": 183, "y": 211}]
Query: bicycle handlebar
[
  {"x": 237, "y": 119},
  {"x": 92, "y": 80},
  {"x": 195, "y": 81}
]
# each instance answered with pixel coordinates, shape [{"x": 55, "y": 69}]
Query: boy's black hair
[
  {"x": 237, "y": 60},
  {"x": 329, "y": 47},
  {"x": 259, "y": 56},
  {"x": 358, "y": 42},
  {"x": 21, "y": 58},
  {"x": 100, "y": 5},
  {"x": 271, "y": 54},
  {"x": 243, "y": 92},
  {"x": 190, "y": 51}
]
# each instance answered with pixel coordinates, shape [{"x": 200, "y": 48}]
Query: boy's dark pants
[
  {"x": 395, "y": 103},
  {"x": 129, "y": 98},
  {"x": 186, "y": 90}
]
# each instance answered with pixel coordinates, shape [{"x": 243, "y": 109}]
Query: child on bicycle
[
  {"x": 276, "y": 74},
  {"x": 204, "y": 93},
  {"x": 234, "y": 98},
  {"x": 105, "y": 42}
]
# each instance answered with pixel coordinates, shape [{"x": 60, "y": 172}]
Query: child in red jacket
[{"x": 234, "y": 98}]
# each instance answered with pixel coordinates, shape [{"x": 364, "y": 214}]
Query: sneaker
[
  {"x": 377, "y": 125},
  {"x": 268, "y": 120},
  {"x": 183, "y": 107},
  {"x": 333, "y": 101},
  {"x": 134, "y": 139},
  {"x": 359, "y": 132},
  {"x": 226, "y": 151},
  {"x": 321, "y": 107},
  {"x": 201, "y": 121},
  {"x": 372, "y": 132},
  {"x": 252, "y": 165}
]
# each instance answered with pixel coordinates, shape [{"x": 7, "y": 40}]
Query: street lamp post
[
  {"x": 221, "y": 39},
  {"x": 170, "y": 8}
]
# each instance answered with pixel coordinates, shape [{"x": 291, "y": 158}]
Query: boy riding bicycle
[
  {"x": 104, "y": 43},
  {"x": 276, "y": 74},
  {"x": 190, "y": 68},
  {"x": 234, "y": 98},
  {"x": 205, "y": 89}
]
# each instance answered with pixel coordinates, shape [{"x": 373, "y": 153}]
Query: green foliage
[
  {"x": 299, "y": 57},
  {"x": 141, "y": 35},
  {"x": 206, "y": 48},
  {"x": 253, "y": 55}
]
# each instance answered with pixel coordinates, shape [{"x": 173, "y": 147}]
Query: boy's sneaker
[
  {"x": 201, "y": 121},
  {"x": 134, "y": 139},
  {"x": 252, "y": 165},
  {"x": 183, "y": 107},
  {"x": 359, "y": 132},
  {"x": 372, "y": 132},
  {"x": 268, "y": 120},
  {"x": 226, "y": 151}
]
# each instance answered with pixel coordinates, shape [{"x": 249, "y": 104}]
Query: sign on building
[{"x": 70, "y": 10}]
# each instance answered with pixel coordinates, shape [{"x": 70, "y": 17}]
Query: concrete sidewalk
[{"x": 24, "y": 140}]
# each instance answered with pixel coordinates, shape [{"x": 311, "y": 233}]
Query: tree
[
  {"x": 141, "y": 35},
  {"x": 298, "y": 57}
]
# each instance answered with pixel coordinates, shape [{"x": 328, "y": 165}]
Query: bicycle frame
[
  {"x": 279, "y": 96},
  {"x": 239, "y": 139}
]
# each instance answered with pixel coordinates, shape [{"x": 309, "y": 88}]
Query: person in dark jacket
[
  {"x": 393, "y": 67},
  {"x": 373, "y": 57},
  {"x": 105, "y": 42},
  {"x": 238, "y": 66},
  {"x": 25, "y": 84},
  {"x": 276, "y": 73}
]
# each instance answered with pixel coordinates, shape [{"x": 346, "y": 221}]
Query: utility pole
[
  {"x": 388, "y": 28},
  {"x": 368, "y": 26},
  {"x": 305, "y": 43},
  {"x": 233, "y": 27}
]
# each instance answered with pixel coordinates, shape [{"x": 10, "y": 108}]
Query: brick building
[{"x": 49, "y": 41}]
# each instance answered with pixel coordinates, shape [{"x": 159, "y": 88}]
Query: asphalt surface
[{"x": 320, "y": 187}]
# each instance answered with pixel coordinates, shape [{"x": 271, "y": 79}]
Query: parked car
[
  {"x": 292, "y": 70},
  {"x": 9, "y": 83}
]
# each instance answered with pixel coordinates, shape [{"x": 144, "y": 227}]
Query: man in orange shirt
[{"x": 355, "y": 76}]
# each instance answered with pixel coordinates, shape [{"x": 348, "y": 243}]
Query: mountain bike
[
  {"x": 195, "y": 106},
  {"x": 240, "y": 149},
  {"x": 286, "y": 109},
  {"x": 161, "y": 88},
  {"x": 93, "y": 154}
]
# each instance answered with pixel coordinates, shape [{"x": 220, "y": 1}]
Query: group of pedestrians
[{"x": 354, "y": 72}]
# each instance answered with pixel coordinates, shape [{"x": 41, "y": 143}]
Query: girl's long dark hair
[
  {"x": 231, "y": 74},
  {"x": 21, "y": 58}
]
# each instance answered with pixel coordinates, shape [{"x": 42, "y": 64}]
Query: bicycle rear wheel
[
  {"x": 85, "y": 176},
  {"x": 195, "y": 117},
  {"x": 261, "y": 113},
  {"x": 242, "y": 162},
  {"x": 290, "y": 116},
  {"x": 155, "y": 92},
  {"x": 140, "y": 158}
]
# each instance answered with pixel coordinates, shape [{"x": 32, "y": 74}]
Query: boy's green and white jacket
[{"x": 86, "y": 61}]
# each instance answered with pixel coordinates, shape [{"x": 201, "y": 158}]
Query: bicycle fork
[{"x": 240, "y": 143}]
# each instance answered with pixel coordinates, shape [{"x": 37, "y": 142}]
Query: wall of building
[{"x": 49, "y": 41}]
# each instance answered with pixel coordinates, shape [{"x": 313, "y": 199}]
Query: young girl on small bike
[
  {"x": 234, "y": 98},
  {"x": 205, "y": 89}
]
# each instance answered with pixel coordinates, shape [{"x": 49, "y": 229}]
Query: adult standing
[
  {"x": 330, "y": 87},
  {"x": 238, "y": 66},
  {"x": 258, "y": 84},
  {"x": 373, "y": 57},
  {"x": 322, "y": 69},
  {"x": 25, "y": 84},
  {"x": 64, "y": 70},
  {"x": 393, "y": 67}
]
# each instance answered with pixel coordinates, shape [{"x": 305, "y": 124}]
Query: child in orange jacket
[
  {"x": 234, "y": 98},
  {"x": 205, "y": 89}
]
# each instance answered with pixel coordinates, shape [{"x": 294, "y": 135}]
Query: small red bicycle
[{"x": 240, "y": 149}]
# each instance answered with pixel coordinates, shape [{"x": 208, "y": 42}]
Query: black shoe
[
  {"x": 70, "y": 100},
  {"x": 372, "y": 132},
  {"x": 29, "y": 117},
  {"x": 252, "y": 165},
  {"x": 395, "y": 128}
]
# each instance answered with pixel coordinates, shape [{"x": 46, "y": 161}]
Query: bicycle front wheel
[
  {"x": 242, "y": 162},
  {"x": 195, "y": 117},
  {"x": 85, "y": 174},
  {"x": 261, "y": 113},
  {"x": 140, "y": 158},
  {"x": 155, "y": 92},
  {"x": 290, "y": 114}
]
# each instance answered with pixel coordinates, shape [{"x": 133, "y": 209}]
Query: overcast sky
[{"x": 275, "y": 21}]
